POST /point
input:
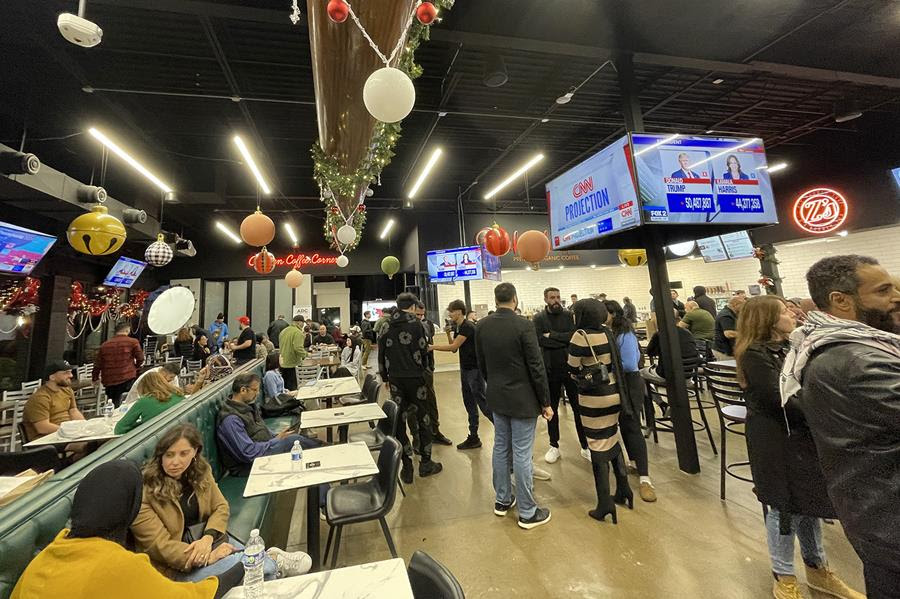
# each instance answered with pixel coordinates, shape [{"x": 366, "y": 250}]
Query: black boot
[
  {"x": 406, "y": 470},
  {"x": 624, "y": 495},
  {"x": 605, "y": 505}
]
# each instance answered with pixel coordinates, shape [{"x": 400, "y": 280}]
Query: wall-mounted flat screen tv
[
  {"x": 21, "y": 249},
  {"x": 125, "y": 272}
]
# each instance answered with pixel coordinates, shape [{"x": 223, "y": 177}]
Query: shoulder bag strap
[{"x": 590, "y": 347}]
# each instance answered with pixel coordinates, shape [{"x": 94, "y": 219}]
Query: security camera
[
  {"x": 19, "y": 163},
  {"x": 134, "y": 216},
  {"x": 91, "y": 194},
  {"x": 79, "y": 30}
]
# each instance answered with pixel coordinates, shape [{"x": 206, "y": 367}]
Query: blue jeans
[
  {"x": 514, "y": 441},
  {"x": 781, "y": 547},
  {"x": 473, "y": 392},
  {"x": 225, "y": 564}
]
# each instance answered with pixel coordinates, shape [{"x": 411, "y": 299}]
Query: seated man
[
  {"x": 51, "y": 405},
  {"x": 686, "y": 341},
  {"x": 242, "y": 434}
]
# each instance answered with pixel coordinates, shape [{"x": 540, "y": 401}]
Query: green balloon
[{"x": 390, "y": 266}]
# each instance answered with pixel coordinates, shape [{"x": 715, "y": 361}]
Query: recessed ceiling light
[
  {"x": 425, "y": 172},
  {"x": 251, "y": 163},
  {"x": 227, "y": 230},
  {"x": 718, "y": 81}
]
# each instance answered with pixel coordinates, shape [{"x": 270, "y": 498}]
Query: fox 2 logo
[{"x": 659, "y": 215}]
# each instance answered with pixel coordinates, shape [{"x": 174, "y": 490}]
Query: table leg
[
  {"x": 329, "y": 435},
  {"x": 312, "y": 527}
]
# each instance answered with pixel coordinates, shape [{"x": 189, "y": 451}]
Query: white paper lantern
[
  {"x": 158, "y": 253},
  {"x": 343, "y": 261},
  {"x": 370, "y": 192},
  {"x": 389, "y": 95},
  {"x": 346, "y": 234}
]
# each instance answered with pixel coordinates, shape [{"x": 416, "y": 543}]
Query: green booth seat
[{"x": 30, "y": 523}]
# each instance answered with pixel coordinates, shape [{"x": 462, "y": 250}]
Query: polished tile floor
[{"x": 688, "y": 544}]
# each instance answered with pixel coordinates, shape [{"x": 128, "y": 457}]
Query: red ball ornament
[
  {"x": 338, "y": 11},
  {"x": 361, "y": 207},
  {"x": 263, "y": 262},
  {"x": 334, "y": 210},
  {"x": 426, "y": 13},
  {"x": 497, "y": 241}
]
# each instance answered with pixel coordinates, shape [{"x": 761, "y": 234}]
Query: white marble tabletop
[
  {"x": 378, "y": 580},
  {"x": 329, "y": 388},
  {"x": 54, "y": 438},
  {"x": 341, "y": 415},
  {"x": 331, "y": 463}
]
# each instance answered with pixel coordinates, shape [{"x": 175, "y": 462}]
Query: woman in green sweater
[{"x": 156, "y": 396}]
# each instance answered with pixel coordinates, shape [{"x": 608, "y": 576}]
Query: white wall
[{"x": 618, "y": 282}]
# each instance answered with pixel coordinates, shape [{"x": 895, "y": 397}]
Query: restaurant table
[
  {"x": 330, "y": 361},
  {"x": 54, "y": 438},
  {"x": 343, "y": 415},
  {"x": 321, "y": 465},
  {"x": 328, "y": 389},
  {"x": 376, "y": 580}
]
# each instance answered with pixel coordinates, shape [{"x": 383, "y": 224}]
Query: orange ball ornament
[
  {"x": 533, "y": 246},
  {"x": 294, "y": 278},
  {"x": 263, "y": 262},
  {"x": 257, "y": 229}
]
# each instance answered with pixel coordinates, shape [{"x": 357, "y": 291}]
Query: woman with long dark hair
[
  {"x": 783, "y": 459},
  {"x": 183, "y": 518},
  {"x": 632, "y": 386},
  {"x": 591, "y": 353}
]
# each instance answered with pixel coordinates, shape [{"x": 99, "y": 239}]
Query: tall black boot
[
  {"x": 624, "y": 494},
  {"x": 605, "y": 505}
]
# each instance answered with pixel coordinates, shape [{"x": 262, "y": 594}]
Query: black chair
[
  {"x": 729, "y": 399},
  {"x": 40, "y": 459},
  {"x": 366, "y": 501},
  {"x": 431, "y": 579},
  {"x": 656, "y": 391},
  {"x": 387, "y": 427}
]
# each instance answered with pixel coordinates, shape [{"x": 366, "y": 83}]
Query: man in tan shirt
[{"x": 52, "y": 404}]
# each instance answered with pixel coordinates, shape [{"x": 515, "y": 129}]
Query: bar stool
[{"x": 732, "y": 410}]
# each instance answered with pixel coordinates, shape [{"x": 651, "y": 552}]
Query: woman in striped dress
[{"x": 600, "y": 405}]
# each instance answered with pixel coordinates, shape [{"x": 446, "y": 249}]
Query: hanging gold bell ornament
[
  {"x": 294, "y": 278},
  {"x": 633, "y": 257},
  {"x": 96, "y": 233},
  {"x": 257, "y": 229},
  {"x": 158, "y": 253}
]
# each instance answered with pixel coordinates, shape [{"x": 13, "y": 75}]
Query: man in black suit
[{"x": 509, "y": 358}]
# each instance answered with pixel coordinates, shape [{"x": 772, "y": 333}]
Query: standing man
[
  {"x": 630, "y": 310},
  {"x": 572, "y": 299},
  {"x": 554, "y": 327},
  {"x": 117, "y": 363},
  {"x": 844, "y": 368},
  {"x": 429, "y": 378},
  {"x": 274, "y": 330},
  {"x": 473, "y": 385},
  {"x": 245, "y": 347},
  {"x": 704, "y": 301},
  {"x": 368, "y": 337},
  {"x": 679, "y": 305},
  {"x": 517, "y": 393},
  {"x": 219, "y": 331},
  {"x": 291, "y": 351},
  {"x": 726, "y": 328},
  {"x": 402, "y": 361}
]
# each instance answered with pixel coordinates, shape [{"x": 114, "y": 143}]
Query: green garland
[{"x": 328, "y": 172}]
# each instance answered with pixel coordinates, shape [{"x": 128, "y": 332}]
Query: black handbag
[
  {"x": 588, "y": 377},
  {"x": 281, "y": 405}
]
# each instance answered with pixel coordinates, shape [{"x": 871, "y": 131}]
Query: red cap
[{"x": 244, "y": 320}]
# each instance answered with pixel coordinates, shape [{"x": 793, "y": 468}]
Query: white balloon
[
  {"x": 343, "y": 261},
  {"x": 346, "y": 234},
  {"x": 389, "y": 95}
]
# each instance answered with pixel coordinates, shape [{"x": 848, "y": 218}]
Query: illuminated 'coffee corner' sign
[
  {"x": 820, "y": 210},
  {"x": 301, "y": 260}
]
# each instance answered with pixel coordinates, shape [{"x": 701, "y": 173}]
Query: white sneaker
[
  {"x": 552, "y": 455},
  {"x": 539, "y": 474},
  {"x": 586, "y": 454},
  {"x": 290, "y": 563}
]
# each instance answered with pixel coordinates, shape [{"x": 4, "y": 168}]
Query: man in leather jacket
[{"x": 850, "y": 396}]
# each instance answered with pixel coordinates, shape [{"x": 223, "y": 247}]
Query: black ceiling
[{"x": 166, "y": 77}]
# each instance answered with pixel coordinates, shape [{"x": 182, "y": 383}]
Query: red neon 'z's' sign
[
  {"x": 820, "y": 210},
  {"x": 301, "y": 260}
]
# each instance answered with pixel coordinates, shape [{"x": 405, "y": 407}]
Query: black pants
[
  {"x": 431, "y": 403},
  {"x": 290, "y": 378},
  {"x": 411, "y": 394},
  {"x": 881, "y": 583},
  {"x": 115, "y": 392},
  {"x": 635, "y": 444},
  {"x": 556, "y": 385}
]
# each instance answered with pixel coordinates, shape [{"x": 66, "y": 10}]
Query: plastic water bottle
[
  {"x": 253, "y": 559},
  {"x": 108, "y": 409},
  {"x": 296, "y": 456}
]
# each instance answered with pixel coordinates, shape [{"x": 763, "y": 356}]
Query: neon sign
[
  {"x": 820, "y": 210},
  {"x": 301, "y": 260}
]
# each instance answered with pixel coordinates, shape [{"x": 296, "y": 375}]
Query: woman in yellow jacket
[
  {"x": 89, "y": 561},
  {"x": 183, "y": 519}
]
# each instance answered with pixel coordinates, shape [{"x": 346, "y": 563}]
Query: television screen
[
  {"x": 737, "y": 245},
  {"x": 594, "y": 198},
  {"x": 711, "y": 249},
  {"x": 376, "y": 307},
  {"x": 689, "y": 179},
  {"x": 490, "y": 265},
  {"x": 125, "y": 272},
  {"x": 21, "y": 249},
  {"x": 458, "y": 264},
  {"x": 896, "y": 173}
]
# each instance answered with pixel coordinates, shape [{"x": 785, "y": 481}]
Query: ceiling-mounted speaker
[
  {"x": 134, "y": 216},
  {"x": 495, "y": 71},
  {"x": 846, "y": 109},
  {"x": 91, "y": 194},
  {"x": 19, "y": 163}
]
